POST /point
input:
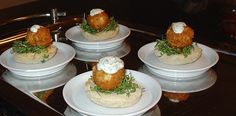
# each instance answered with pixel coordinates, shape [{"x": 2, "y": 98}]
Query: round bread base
[
  {"x": 100, "y": 35},
  {"x": 112, "y": 100},
  {"x": 34, "y": 58},
  {"x": 180, "y": 59}
]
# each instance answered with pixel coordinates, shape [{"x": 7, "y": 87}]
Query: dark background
[{"x": 202, "y": 15}]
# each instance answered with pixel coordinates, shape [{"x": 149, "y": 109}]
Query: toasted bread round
[
  {"x": 112, "y": 100},
  {"x": 180, "y": 59},
  {"x": 34, "y": 58},
  {"x": 100, "y": 35}
]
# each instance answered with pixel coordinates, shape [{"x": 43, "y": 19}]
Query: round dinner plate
[
  {"x": 199, "y": 83},
  {"x": 94, "y": 56},
  {"x": 64, "y": 55},
  {"x": 208, "y": 59},
  {"x": 49, "y": 82},
  {"x": 155, "y": 111},
  {"x": 74, "y": 35},
  {"x": 75, "y": 96}
]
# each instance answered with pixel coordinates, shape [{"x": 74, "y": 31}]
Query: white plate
[
  {"x": 74, "y": 35},
  {"x": 94, "y": 56},
  {"x": 63, "y": 56},
  {"x": 49, "y": 82},
  {"x": 208, "y": 59},
  {"x": 155, "y": 111},
  {"x": 75, "y": 96},
  {"x": 202, "y": 82}
]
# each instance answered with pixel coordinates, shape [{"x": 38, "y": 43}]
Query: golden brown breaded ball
[
  {"x": 177, "y": 96},
  {"x": 41, "y": 37},
  {"x": 107, "y": 81},
  {"x": 98, "y": 21},
  {"x": 180, "y": 40}
]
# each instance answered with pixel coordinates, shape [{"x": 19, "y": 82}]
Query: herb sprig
[
  {"x": 23, "y": 47},
  {"x": 127, "y": 87},
  {"x": 111, "y": 26},
  {"x": 164, "y": 48}
]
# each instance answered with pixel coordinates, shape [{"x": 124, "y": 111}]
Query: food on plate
[
  {"x": 177, "y": 97},
  {"x": 99, "y": 26},
  {"x": 110, "y": 86},
  {"x": 178, "y": 48},
  {"x": 44, "y": 95},
  {"x": 179, "y": 35},
  {"x": 36, "y": 48}
]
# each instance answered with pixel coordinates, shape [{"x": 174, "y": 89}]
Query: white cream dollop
[
  {"x": 110, "y": 64},
  {"x": 178, "y": 27},
  {"x": 95, "y": 11},
  {"x": 34, "y": 28}
]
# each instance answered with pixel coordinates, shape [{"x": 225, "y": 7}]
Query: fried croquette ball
[
  {"x": 107, "y": 81},
  {"x": 98, "y": 19},
  {"x": 177, "y": 97},
  {"x": 108, "y": 72},
  {"x": 39, "y": 35},
  {"x": 179, "y": 35}
]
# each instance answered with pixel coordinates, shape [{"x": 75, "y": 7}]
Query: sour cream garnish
[
  {"x": 110, "y": 64},
  {"x": 178, "y": 27},
  {"x": 95, "y": 11},
  {"x": 34, "y": 28}
]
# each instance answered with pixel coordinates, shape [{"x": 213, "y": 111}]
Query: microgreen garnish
[
  {"x": 23, "y": 47},
  {"x": 111, "y": 26},
  {"x": 127, "y": 87},
  {"x": 164, "y": 48}
]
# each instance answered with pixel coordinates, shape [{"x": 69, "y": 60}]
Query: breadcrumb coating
[
  {"x": 98, "y": 21},
  {"x": 42, "y": 37},
  {"x": 107, "y": 81},
  {"x": 180, "y": 40}
]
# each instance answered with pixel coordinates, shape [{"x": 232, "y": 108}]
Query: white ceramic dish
[
  {"x": 75, "y": 96},
  {"x": 49, "y": 82},
  {"x": 155, "y": 111},
  {"x": 63, "y": 56},
  {"x": 74, "y": 35},
  {"x": 94, "y": 56},
  {"x": 199, "y": 83},
  {"x": 208, "y": 59}
]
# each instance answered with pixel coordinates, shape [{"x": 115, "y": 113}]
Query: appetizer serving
[
  {"x": 99, "y": 26},
  {"x": 36, "y": 48},
  {"x": 110, "y": 86},
  {"x": 177, "y": 97},
  {"x": 178, "y": 48}
]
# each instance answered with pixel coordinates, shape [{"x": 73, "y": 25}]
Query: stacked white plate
[
  {"x": 92, "y": 50},
  {"x": 179, "y": 73},
  {"x": 77, "y": 99},
  {"x": 64, "y": 55},
  {"x": 42, "y": 83}
]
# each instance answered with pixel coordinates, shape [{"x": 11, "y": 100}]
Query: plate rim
[
  {"x": 98, "y": 41},
  {"x": 155, "y": 100},
  {"x": 3, "y": 56},
  {"x": 203, "y": 76},
  {"x": 124, "y": 45},
  {"x": 173, "y": 70},
  {"x": 9, "y": 76}
]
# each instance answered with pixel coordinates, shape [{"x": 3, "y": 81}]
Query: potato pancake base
[
  {"x": 112, "y": 100},
  {"x": 180, "y": 59}
]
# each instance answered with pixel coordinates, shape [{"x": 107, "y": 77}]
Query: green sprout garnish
[
  {"x": 164, "y": 48},
  {"x": 111, "y": 26},
  {"x": 127, "y": 87},
  {"x": 23, "y": 47}
]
